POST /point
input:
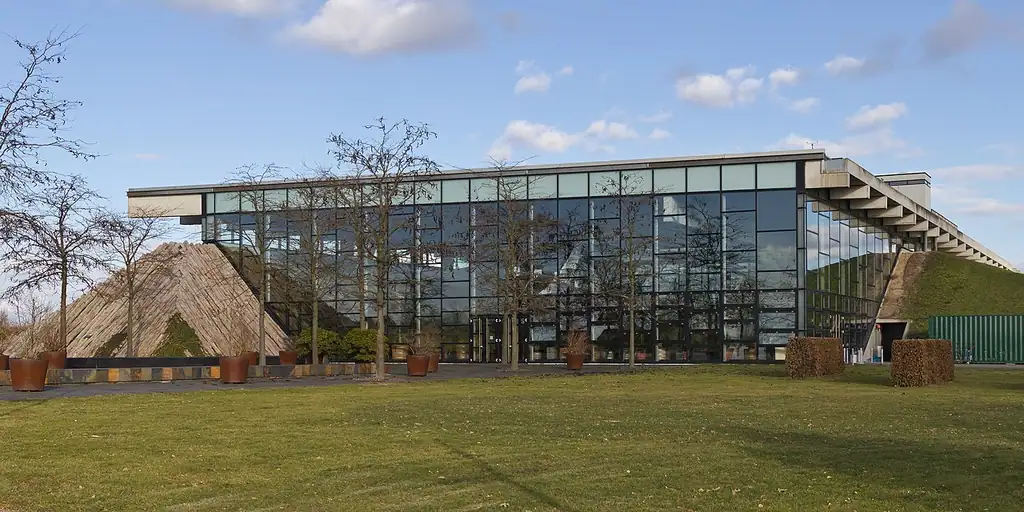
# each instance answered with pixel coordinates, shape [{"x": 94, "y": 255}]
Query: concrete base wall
[{"x": 114, "y": 375}]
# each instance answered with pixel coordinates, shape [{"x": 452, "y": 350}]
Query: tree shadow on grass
[
  {"x": 931, "y": 473},
  {"x": 506, "y": 479}
]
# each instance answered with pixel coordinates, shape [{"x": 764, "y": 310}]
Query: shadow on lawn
[
  {"x": 866, "y": 375},
  {"x": 934, "y": 474},
  {"x": 536, "y": 494}
]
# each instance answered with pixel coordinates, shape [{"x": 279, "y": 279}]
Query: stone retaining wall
[{"x": 113, "y": 375}]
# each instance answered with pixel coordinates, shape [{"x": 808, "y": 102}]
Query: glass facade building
[{"x": 739, "y": 253}]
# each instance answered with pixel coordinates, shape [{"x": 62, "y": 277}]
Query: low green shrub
[
  {"x": 328, "y": 342},
  {"x": 360, "y": 345},
  {"x": 814, "y": 357}
]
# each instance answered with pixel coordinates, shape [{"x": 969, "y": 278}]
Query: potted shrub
[
  {"x": 360, "y": 345},
  {"x": 288, "y": 356},
  {"x": 234, "y": 366},
  {"x": 328, "y": 344},
  {"x": 7, "y": 332},
  {"x": 418, "y": 361},
  {"x": 577, "y": 346},
  {"x": 54, "y": 350},
  {"x": 430, "y": 339},
  {"x": 28, "y": 372}
]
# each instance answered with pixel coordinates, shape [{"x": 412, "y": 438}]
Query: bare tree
[
  {"x": 507, "y": 238},
  {"x": 353, "y": 236},
  {"x": 388, "y": 166},
  {"x": 313, "y": 206},
  {"x": 30, "y": 309},
  {"x": 257, "y": 207},
  {"x": 55, "y": 241},
  {"x": 31, "y": 117},
  {"x": 624, "y": 243},
  {"x": 128, "y": 240}
]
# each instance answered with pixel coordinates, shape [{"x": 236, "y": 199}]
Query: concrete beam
[
  {"x": 932, "y": 232},
  {"x": 889, "y": 213},
  {"x": 942, "y": 238},
  {"x": 921, "y": 227},
  {"x": 906, "y": 220},
  {"x": 875, "y": 203},
  {"x": 861, "y": 192}
]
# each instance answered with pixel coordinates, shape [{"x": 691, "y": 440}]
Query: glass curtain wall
[
  {"x": 717, "y": 251},
  {"x": 849, "y": 262}
]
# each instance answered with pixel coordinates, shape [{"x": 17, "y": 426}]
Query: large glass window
[{"x": 719, "y": 255}]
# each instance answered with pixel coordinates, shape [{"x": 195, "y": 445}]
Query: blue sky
[{"x": 183, "y": 91}]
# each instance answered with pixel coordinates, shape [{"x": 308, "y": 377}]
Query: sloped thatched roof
[{"x": 195, "y": 281}]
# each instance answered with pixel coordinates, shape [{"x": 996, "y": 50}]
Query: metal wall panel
[{"x": 992, "y": 338}]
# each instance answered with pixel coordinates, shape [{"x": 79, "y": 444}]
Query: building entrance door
[{"x": 489, "y": 340}]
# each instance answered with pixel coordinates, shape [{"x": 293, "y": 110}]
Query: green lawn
[
  {"x": 950, "y": 285},
  {"x": 704, "y": 438}
]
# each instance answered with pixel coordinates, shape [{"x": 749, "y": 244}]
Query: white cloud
[
  {"x": 972, "y": 202},
  {"x": 520, "y": 134},
  {"x": 532, "y": 78},
  {"x": 844, "y": 65},
  {"x": 374, "y": 27},
  {"x": 737, "y": 85},
  {"x": 566, "y": 70},
  {"x": 805, "y": 105},
  {"x": 245, "y": 8},
  {"x": 880, "y": 141},
  {"x": 659, "y": 134},
  {"x": 658, "y": 117},
  {"x": 869, "y": 116},
  {"x": 783, "y": 76},
  {"x": 610, "y": 130}
]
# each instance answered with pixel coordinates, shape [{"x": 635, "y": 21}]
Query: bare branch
[{"x": 32, "y": 118}]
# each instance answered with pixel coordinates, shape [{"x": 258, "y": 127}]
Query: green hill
[{"x": 943, "y": 284}]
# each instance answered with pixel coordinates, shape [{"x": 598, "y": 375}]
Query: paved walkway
[{"x": 447, "y": 372}]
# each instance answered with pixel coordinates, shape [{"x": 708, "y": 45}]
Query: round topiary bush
[
  {"x": 360, "y": 345},
  {"x": 328, "y": 342}
]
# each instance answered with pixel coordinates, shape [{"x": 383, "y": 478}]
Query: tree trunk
[
  {"x": 63, "y": 307},
  {"x": 382, "y": 312},
  {"x": 314, "y": 346},
  {"x": 263, "y": 311},
  {"x": 515, "y": 342},
  {"x": 129, "y": 350},
  {"x": 361, "y": 284},
  {"x": 632, "y": 337}
]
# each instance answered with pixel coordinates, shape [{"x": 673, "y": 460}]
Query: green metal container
[{"x": 991, "y": 338}]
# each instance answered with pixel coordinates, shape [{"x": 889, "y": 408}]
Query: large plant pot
[
  {"x": 57, "y": 359},
  {"x": 574, "y": 361},
  {"x": 418, "y": 364},
  {"x": 288, "y": 357},
  {"x": 28, "y": 374},
  {"x": 3, "y": 362},
  {"x": 234, "y": 370},
  {"x": 252, "y": 356},
  {"x": 434, "y": 359}
]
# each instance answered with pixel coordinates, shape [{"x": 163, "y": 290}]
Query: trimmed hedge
[
  {"x": 814, "y": 357},
  {"x": 921, "y": 362}
]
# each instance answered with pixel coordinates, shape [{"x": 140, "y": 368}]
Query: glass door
[{"x": 488, "y": 340}]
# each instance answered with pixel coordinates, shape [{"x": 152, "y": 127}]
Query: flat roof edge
[{"x": 800, "y": 154}]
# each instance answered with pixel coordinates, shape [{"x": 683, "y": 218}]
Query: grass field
[{"x": 699, "y": 438}]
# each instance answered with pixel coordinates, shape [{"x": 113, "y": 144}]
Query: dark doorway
[{"x": 891, "y": 332}]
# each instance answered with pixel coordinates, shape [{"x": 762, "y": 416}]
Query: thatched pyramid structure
[{"x": 181, "y": 283}]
